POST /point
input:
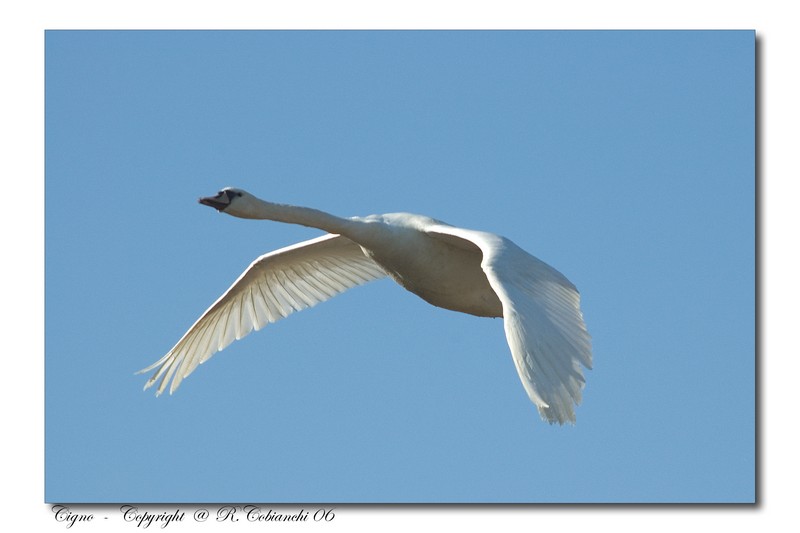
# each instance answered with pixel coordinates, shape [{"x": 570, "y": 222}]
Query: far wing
[
  {"x": 273, "y": 286},
  {"x": 542, "y": 320}
]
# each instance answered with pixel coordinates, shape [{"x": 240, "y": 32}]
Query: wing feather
[
  {"x": 543, "y": 323},
  {"x": 273, "y": 286}
]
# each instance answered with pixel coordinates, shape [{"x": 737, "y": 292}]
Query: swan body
[{"x": 453, "y": 268}]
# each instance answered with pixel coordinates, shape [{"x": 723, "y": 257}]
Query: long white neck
[{"x": 255, "y": 208}]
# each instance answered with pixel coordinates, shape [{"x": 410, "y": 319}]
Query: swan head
[{"x": 231, "y": 201}]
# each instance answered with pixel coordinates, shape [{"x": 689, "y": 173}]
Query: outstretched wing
[
  {"x": 542, "y": 320},
  {"x": 273, "y": 286}
]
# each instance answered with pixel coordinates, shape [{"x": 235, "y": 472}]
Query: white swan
[{"x": 463, "y": 270}]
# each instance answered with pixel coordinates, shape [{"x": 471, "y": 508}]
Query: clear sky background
[{"x": 624, "y": 159}]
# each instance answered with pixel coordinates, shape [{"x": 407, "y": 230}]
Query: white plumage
[
  {"x": 458, "y": 269},
  {"x": 273, "y": 286}
]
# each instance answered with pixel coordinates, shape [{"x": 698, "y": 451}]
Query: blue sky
[{"x": 624, "y": 159}]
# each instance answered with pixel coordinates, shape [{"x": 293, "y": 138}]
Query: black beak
[{"x": 218, "y": 202}]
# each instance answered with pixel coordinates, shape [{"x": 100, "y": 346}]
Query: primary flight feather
[{"x": 462, "y": 270}]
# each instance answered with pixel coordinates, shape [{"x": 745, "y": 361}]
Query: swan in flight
[{"x": 462, "y": 270}]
